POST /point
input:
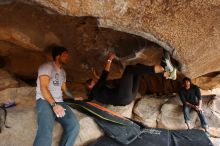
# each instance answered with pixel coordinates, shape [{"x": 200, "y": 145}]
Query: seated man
[
  {"x": 191, "y": 97},
  {"x": 128, "y": 84},
  {"x": 51, "y": 84}
]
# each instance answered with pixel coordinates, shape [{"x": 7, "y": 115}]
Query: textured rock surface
[
  {"x": 212, "y": 111},
  {"x": 125, "y": 111},
  {"x": 26, "y": 29},
  {"x": 208, "y": 82},
  {"x": 171, "y": 117},
  {"x": 215, "y": 91},
  {"x": 215, "y": 141},
  {"x": 147, "y": 110},
  {"x": 23, "y": 134},
  {"x": 154, "y": 111},
  {"x": 29, "y": 30},
  {"x": 89, "y": 131},
  {"x": 6, "y": 80},
  {"x": 168, "y": 23},
  {"x": 214, "y": 132},
  {"x": 188, "y": 29},
  {"x": 22, "y": 120},
  {"x": 23, "y": 96}
]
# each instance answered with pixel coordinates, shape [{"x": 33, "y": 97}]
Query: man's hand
[
  {"x": 59, "y": 111},
  {"x": 198, "y": 108},
  {"x": 191, "y": 105}
]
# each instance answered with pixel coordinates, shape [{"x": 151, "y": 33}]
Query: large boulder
[
  {"x": 215, "y": 141},
  {"x": 125, "y": 111},
  {"x": 214, "y": 132},
  {"x": 212, "y": 114},
  {"x": 89, "y": 130},
  {"x": 7, "y": 80},
  {"x": 22, "y": 96},
  {"x": 22, "y": 131},
  {"x": 215, "y": 91},
  {"x": 171, "y": 116},
  {"x": 22, "y": 120},
  {"x": 147, "y": 110},
  {"x": 211, "y": 107},
  {"x": 208, "y": 82}
]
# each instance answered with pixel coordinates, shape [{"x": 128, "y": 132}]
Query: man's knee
[
  {"x": 46, "y": 129},
  {"x": 73, "y": 127},
  {"x": 76, "y": 127}
]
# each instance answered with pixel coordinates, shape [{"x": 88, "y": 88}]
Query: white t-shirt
[{"x": 57, "y": 78}]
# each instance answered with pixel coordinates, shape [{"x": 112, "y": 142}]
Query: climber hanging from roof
[{"x": 129, "y": 82}]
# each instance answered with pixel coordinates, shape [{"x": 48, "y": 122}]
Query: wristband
[{"x": 53, "y": 104}]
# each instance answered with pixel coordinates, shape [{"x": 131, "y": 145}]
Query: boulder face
[
  {"x": 148, "y": 114},
  {"x": 91, "y": 29},
  {"x": 171, "y": 117},
  {"x": 7, "y": 80},
  {"x": 29, "y": 31},
  {"x": 208, "y": 82},
  {"x": 23, "y": 127},
  {"x": 190, "y": 30},
  {"x": 125, "y": 111},
  {"x": 22, "y": 96}
]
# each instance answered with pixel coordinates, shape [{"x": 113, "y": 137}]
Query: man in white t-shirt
[{"x": 51, "y": 83}]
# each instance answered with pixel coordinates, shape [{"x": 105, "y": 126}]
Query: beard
[{"x": 62, "y": 62}]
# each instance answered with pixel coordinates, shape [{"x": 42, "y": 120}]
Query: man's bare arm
[
  {"x": 200, "y": 105},
  {"x": 44, "y": 83},
  {"x": 66, "y": 91}
]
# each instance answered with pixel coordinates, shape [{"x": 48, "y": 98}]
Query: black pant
[{"x": 129, "y": 83}]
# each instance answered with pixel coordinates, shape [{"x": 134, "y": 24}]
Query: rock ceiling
[{"x": 189, "y": 30}]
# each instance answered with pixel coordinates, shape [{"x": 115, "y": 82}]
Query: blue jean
[
  {"x": 186, "y": 112},
  {"x": 46, "y": 120}
]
